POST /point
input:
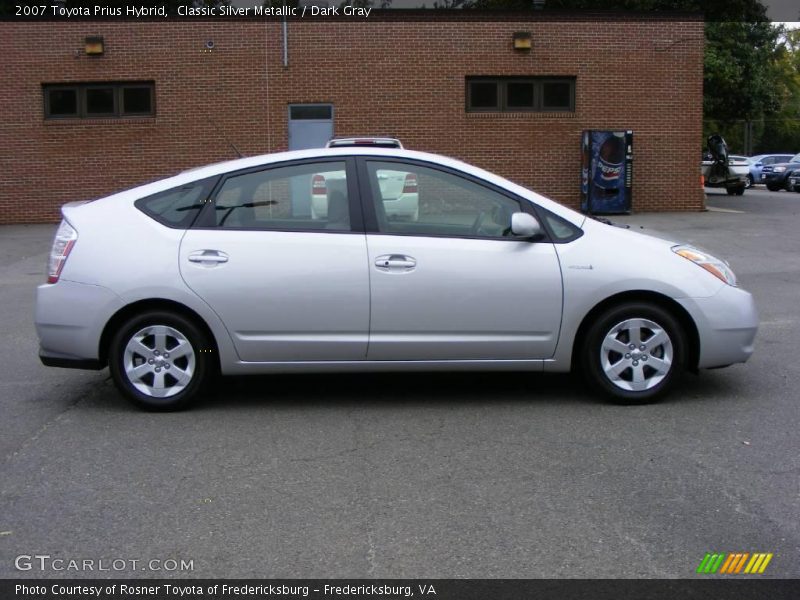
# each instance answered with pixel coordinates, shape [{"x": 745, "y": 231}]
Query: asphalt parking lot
[{"x": 435, "y": 476}]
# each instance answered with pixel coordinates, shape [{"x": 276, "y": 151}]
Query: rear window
[{"x": 178, "y": 207}]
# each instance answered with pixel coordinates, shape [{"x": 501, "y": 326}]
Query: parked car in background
[
  {"x": 794, "y": 182},
  {"x": 776, "y": 176},
  {"x": 221, "y": 269},
  {"x": 398, "y": 188},
  {"x": 758, "y": 162}
]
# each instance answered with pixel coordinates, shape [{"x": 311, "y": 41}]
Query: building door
[{"x": 310, "y": 126}]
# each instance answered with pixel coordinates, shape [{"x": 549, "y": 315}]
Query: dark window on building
[
  {"x": 557, "y": 95},
  {"x": 61, "y": 102},
  {"x": 99, "y": 99},
  {"x": 483, "y": 95},
  {"x": 302, "y": 112},
  {"x": 520, "y": 94},
  {"x": 137, "y": 100}
]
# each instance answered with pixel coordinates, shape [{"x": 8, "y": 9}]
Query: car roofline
[{"x": 263, "y": 160}]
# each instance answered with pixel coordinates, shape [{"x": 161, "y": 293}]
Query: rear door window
[{"x": 304, "y": 197}]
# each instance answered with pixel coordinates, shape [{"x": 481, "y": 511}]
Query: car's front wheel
[
  {"x": 634, "y": 352},
  {"x": 159, "y": 360},
  {"x": 749, "y": 183}
]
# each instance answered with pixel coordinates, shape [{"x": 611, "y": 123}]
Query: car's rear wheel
[
  {"x": 634, "y": 352},
  {"x": 159, "y": 360},
  {"x": 749, "y": 182}
]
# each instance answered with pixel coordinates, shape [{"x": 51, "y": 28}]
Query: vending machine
[{"x": 607, "y": 171}]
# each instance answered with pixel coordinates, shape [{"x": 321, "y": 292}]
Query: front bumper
[
  {"x": 726, "y": 325},
  {"x": 70, "y": 318},
  {"x": 775, "y": 179}
]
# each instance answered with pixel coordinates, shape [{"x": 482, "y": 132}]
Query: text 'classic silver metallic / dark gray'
[{"x": 371, "y": 258}]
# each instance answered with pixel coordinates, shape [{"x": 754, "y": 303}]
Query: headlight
[
  {"x": 779, "y": 169},
  {"x": 718, "y": 268}
]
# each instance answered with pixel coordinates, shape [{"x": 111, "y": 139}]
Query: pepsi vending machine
[{"x": 607, "y": 171}]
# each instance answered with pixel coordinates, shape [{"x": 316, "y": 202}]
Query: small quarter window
[
  {"x": 561, "y": 229},
  {"x": 178, "y": 207}
]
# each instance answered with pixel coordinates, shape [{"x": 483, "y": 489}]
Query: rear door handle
[
  {"x": 208, "y": 257},
  {"x": 395, "y": 263}
]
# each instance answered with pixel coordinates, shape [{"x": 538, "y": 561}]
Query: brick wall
[{"x": 383, "y": 75}]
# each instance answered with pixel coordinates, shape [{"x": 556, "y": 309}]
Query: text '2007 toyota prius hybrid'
[{"x": 243, "y": 267}]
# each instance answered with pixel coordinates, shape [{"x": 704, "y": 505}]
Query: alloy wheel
[
  {"x": 159, "y": 361},
  {"x": 636, "y": 354}
]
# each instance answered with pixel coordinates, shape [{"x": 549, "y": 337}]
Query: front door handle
[
  {"x": 208, "y": 257},
  {"x": 395, "y": 263}
]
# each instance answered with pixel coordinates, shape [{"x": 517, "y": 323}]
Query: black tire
[
  {"x": 731, "y": 191},
  {"x": 200, "y": 361},
  {"x": 773, "y": 188},
  {"x": 749, "y": 182},
  {"x": 740, "y": 191},
  {"x": 592, "y": 353}
]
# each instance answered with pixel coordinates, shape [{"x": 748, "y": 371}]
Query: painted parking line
[{"x": 724, "y": 210}]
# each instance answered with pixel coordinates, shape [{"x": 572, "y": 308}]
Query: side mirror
[
  {"x": 758, "y": 164},
  {"x": 524, "y": 225}
]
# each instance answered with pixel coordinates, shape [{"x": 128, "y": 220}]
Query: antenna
[{"x": 225, "y": 137}]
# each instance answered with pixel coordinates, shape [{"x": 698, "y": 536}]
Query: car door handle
[
  {"x": 208, "y": 257},
  {"x": 396, "y": 263}
]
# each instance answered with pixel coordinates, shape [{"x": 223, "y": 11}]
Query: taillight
[
  {"x": 318, "y": 185},
  {"x": 65, "y": 239},
  {"x": 410, "y": 184}
]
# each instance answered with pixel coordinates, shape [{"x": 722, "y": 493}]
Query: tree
[{"x": 780, "y": 130}]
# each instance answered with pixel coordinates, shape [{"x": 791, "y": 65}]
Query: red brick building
[{"x": 382, "y": 75}]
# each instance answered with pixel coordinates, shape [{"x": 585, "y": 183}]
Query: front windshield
[{"x": 795, "y": 158}]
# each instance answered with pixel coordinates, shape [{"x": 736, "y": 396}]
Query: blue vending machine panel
[{"x": 607, "y": 171}]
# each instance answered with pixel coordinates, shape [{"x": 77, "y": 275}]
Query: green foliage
[
  {"x": 781, "y": 129},
  {"x": 740, "y": 72}
]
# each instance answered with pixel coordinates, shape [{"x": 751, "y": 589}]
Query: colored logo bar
[{"x": 735, "y": 563}]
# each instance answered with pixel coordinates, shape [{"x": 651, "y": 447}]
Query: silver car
[{"x": 223, "y": 269}]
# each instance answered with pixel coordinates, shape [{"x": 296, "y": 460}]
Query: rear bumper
[
  {"x": 727, "y": 324},
  {"x": 70, "y": 318},
  {"x": 405, "y": 205},
  {"x": 66, "y": 362}
]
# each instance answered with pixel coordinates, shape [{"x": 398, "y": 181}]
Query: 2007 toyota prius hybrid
[{"x": 227, "y": 269}]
